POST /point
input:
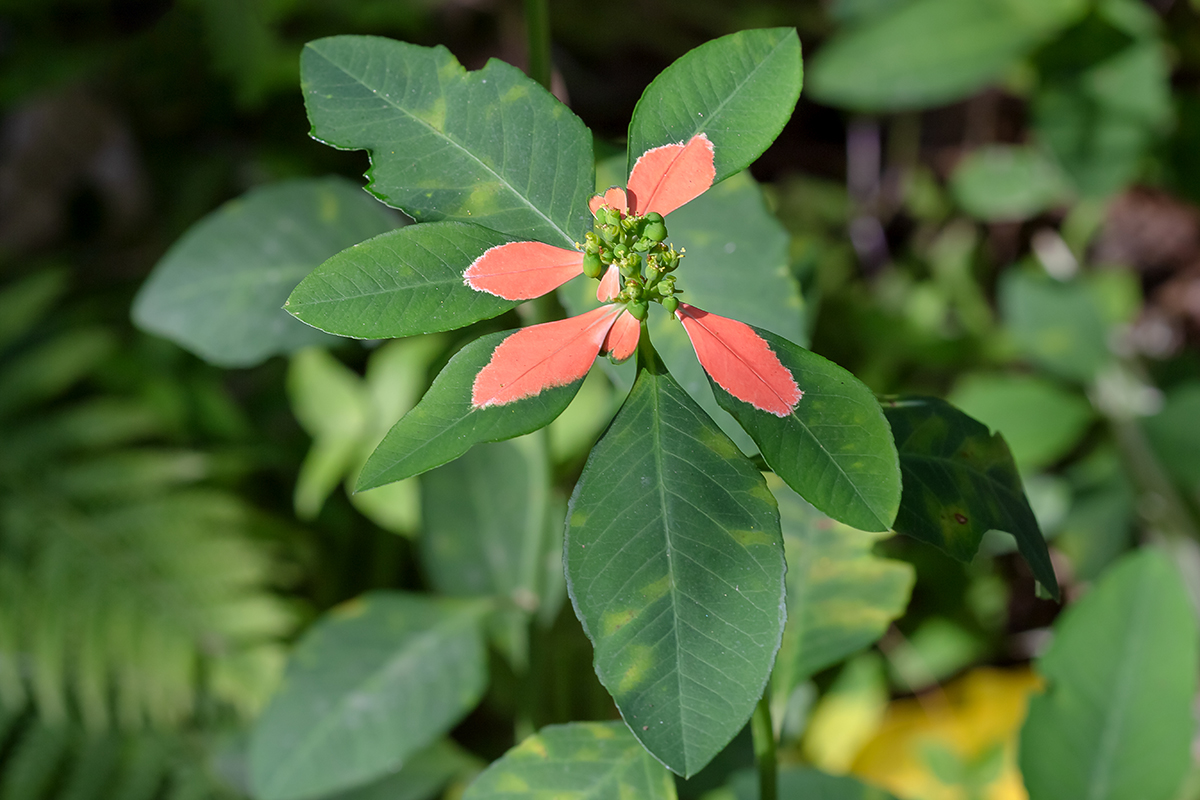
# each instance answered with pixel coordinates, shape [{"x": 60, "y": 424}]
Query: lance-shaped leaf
[
  {"x": 738, "y": 90},
  {"x": 960, "y": 482},
  {"x": 371, "y": 684},
  {"x": 675, "y": 567},
  {"x": 402, "y": 283},
  {"x": 218, "y": 290},
  {"x": 445, "y": 424},
  {"x": 1116, "y": 721},
  {"x": 491, "y": 146},
  {"x": 833, "y": 446},
  {"x": 579, "y": 761},
  {"x": 841, "y": 598}
]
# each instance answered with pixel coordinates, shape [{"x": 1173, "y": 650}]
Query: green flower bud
[
  {"x": 638, "y": 309},
  {"x": 670, "y": 304},
  {"x": 592, "y": 265},
  {"x": 655, "y": 231},
  {"x": 654, "y": 216}
]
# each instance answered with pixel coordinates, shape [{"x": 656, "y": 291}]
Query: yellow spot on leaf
[
  {"x": 641, "y": 660},
  {"x": 509, "y": 782},
  {"x": 350, "y": 609},
  {"x": 613, "y": 621},
  {"x": 329, "y": 207}
]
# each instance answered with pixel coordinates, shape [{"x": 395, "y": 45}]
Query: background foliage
[{"x": 992, "y": 202}]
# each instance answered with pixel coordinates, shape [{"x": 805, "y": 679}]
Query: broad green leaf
[
  {"x": 1060, "y": 326},
  {"x": 218, "y": 291},
  {"x": 577, "y": 761},
  {"x": 1040, "y": 420},
  {"x": 1099, "y": 525},
  {"x": 841, "y": 598},
  {"x": 835, "y": 448},
  {"x": 490, "y": 147},
  {"x": 675, "y": 567},
  {"x": 420, "y": 778},
  {"x": 1116, "y": 721},
  {"x": 959, "y": 483},
  {"x": 1007, "y": 183},
  {"x": 738, "y": 90},
  {"x": 371, "y": 684},
  {"x": 803, "y": 783},
  {"x": 402, "y": 283},
  {"x": 1175, "y": 436},
  {"x": 736, "y": 266},
  {"x": 932, "y": 52},
  {"x": 444, "y": 425}
]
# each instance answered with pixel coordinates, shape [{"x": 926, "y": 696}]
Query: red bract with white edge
[{"x": 558, "y": 353}]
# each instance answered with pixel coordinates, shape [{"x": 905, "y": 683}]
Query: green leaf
[
  {"x": 218, "y": 291},
  {"x": 402, "y": 283},
  {"x": 738, "y": 90},
  {"x": 675, "y": 567},
  {"x": 959, "y": 483},
  {"x": 835, "y": 448},
  {"x": 736, "y": 266},
  {"x": 1175, "y": 436},
  {"x": 371, "y": 684},
  {"x": 840, "y": 597},
  {"x": 809, "y": 784},
  {"x": 490, "y": 147},
  {"x": 578, "y": 761},
  {"x": 1007, "y": 183},
  {"x": 420, "y": 778},
  {"x": 1116, "y": 722},
  {"x": 1060, "y": 326},
  {"x": 932, "y": 52},
  {"x": 1040, "y": 420},
  {"x": 444, "y": 425}
]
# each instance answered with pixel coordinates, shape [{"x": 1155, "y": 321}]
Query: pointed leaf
[
  {"x": 675, "y": 567},
  {"x": 218, "y": 291},
  {"x": 490, "y": 147},
  {"x": 834, "y": 447},
  {"x": 402, "y": 283},
  {"x": 445, "y": 424},
  {"x": 1116, "y": 721},
  {"x": 960, "y": 482},
  {"x": 841, "y": 597},
  {"x": 738, "y": 90},
  {"x": 671, "y": 175},
  {"x": 579, "y": 761},
  {"x": 372, "y": 683}
]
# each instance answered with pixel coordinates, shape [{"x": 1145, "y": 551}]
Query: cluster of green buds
[{"x": 635, "y": 244}]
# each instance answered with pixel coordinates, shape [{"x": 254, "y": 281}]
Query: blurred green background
[{"x": 991, "y": 201}]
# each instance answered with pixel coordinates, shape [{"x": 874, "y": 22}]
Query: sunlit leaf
[
  {"x": 1116, "y": 721},
  {"x": 579, "y": 761},
  {"x": 371, "y": 684},
  {"x": 218, "y": 290},
  {"x": 841, "y": 598},
  {"x": 675, "y": 566},
  {"x": 738, "y": 90},
  {"x": 959, "y": 483},
  {"x": 490, "y": 146}
]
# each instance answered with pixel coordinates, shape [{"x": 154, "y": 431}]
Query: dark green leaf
[
  {"x": 835, "y": 449},
  {"x": 1007, "y": 183},
  {"x": 444, "y": 425},
  {"x": 841, "y": 598},
  {"x": 802, "y": 783},
  {"x": 218, "y": 291},
  {"x": 959, "y": 483},
  {"x": 1175, "y": 435},
  {"x": 738, "y": 90},
  {"x": 675, "y": 567},
  {"x": 1040, "y": 420},
  {"x": 1116, "y": 722},
  {"x": 370, "y": 685},
  {"x": 402, "y": 283},
  {"x": 931, "y": 52},
  {"x": 579, "y": 761},
  {"x": 490, "y": 147}
]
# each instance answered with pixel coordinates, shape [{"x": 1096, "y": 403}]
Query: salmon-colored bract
[
  {"x": 740, "y": 361},
  {"x": 523, "y": 270},
  {"x": 666, "y": 177},
  {"x": 622, "y": 338}
]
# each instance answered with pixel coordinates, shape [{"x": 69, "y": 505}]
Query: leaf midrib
[{"x": 462, "y": 77}]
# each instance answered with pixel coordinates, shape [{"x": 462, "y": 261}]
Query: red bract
[{"x": 558, "y": 353}]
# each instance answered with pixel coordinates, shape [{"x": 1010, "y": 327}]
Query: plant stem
[
  {"x": 764, "y": 748},
  {"x": 537, "y": 32}
]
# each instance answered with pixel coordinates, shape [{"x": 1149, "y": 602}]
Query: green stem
[
  {"x": 764, "y": 749},
  {"x": 537, "y": 27}
]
